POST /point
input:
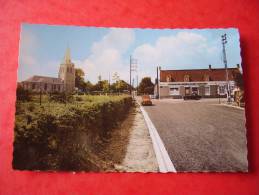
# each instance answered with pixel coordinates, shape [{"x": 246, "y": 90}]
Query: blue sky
[{"x": 104, "y": 51}]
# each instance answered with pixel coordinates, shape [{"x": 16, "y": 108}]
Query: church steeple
[
  {"x": 67, "y": 72},
  {"x": 67, "y": 57}
]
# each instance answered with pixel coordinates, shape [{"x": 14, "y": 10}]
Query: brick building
[{"x": 209, "y": 82}]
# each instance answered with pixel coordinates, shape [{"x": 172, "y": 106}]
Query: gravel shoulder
[
  {"x": 140, "y": 156},
  {"x": 129, "y": 148}
]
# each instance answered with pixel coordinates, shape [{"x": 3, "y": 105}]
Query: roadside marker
[{"x": 164, "y": 162}]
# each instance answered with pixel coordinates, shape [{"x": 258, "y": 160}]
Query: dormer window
[
  {"x": 169, "y": 78},
  {"x": 186, "y": 78},
  {"x": 206, "y": 77}
]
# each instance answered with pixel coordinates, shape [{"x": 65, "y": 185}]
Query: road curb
[
  {"x": 164, "y": 162},
  {"x": 231, "y": 106}
]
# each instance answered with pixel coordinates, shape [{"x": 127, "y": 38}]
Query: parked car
[
  {"x": 193, "y": 96},
  {"x": 146, "y": 100}
]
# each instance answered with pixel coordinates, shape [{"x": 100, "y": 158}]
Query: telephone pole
[
  {"x": 157, "y": 81},
  {"x": 224, "y": 42},
  {"x": 133, "y": 67},
  {"x": 137, "y": 84},
  {"x": 130, "y": 75}
]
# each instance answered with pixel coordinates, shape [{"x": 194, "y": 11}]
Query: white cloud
[
  {"x": 27, "y": 54},
  {"x": 28, "y": 44},
  {"x": 178, "y": 51},
  {"x": 106, "y": 55}
]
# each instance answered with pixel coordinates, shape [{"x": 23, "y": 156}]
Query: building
[
  {"x": 64, "y": 83},
  {"x": 209, "y": 82}
]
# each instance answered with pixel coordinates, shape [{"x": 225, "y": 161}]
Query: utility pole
[
  {"x": 133, "y": 67},
  {"x": 157, "y": 81},
  {"x": 137, "y": 84},
  {"x": 224, "y": 42},
  {"x": 130, "y": 74},
  {"x": 109, "y": 85}
]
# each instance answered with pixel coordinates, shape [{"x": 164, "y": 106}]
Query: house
[
  {"x": 209, "y": 82},
  {"x": 64, "y": 83}
]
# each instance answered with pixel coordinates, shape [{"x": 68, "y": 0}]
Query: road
[{"x": 201, "y": 135}]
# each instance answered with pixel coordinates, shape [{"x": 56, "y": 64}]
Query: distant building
[
  {"x": 204, "y": 82},
  {"x": 64, "y": 83}
]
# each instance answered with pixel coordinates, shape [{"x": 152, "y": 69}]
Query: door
[{"x": 187, "y": 91}]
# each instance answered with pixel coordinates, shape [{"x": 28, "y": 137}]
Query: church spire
[{"x": 67, "y": 57}]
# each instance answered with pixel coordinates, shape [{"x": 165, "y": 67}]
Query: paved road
[{"x": 201, "y": 136}]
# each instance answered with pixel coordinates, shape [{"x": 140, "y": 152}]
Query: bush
[
  {"x": 22, "y": 94},
  {"x": 58, "y": 137},
  {"x": 61, "y": 97}
]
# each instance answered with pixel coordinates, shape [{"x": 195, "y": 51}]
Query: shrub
[
  {"x": 52, "y": 139},
  {"x": 61, "y": 97},
  {"x": 22, "y": 94}
]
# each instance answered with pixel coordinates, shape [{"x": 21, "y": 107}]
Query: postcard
[{"x": 129, "y": 100}]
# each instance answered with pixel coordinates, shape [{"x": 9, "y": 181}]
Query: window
[
  {"x": 207, "y": 90},
  {"x": 169, "y": 78},
  {"x": 206, "y": 77},
  {"x": 33, "y": 86},
  {"x": 195, "y": 90},
  {"x": 45, "y": 86},
  {"x": 186, "y": 78},
  {"x": 221, "y": 89},
  {"x": 174, "y": 91}
]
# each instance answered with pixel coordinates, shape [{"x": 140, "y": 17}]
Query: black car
[{"x": 193, "y": 96}]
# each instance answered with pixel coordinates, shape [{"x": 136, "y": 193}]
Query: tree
[
  {"x": 238, "y": 78},
  {"x": 146, "y": 86},
  {"x": 22, "y": 94},
  {"x": 88, "y": 86},
  {"x": 120, "y": 86},
  {"x": 79, "y": 80},
  {"x": 101, "y": 86}
]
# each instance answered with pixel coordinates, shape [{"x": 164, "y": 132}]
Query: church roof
[
  {"x": 198, "y": 75},
  {"x": 44, "y": 79}
]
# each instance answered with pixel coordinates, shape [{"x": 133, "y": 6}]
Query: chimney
[
  {"x": 209, "y": 67},
  {"x": 238, "y": 66}
]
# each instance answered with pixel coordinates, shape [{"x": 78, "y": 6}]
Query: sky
[{"x": 104, "y": 51}]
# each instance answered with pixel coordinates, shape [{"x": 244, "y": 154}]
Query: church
[{"x": 64, "y": 83}]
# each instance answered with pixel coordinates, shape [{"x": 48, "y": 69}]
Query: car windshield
[{"x": 145, "y": 97}]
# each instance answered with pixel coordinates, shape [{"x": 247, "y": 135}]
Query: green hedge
[{"x": 55, "y": 136}]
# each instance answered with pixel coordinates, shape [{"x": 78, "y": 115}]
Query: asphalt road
[{"x": 201, "y": 135}]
